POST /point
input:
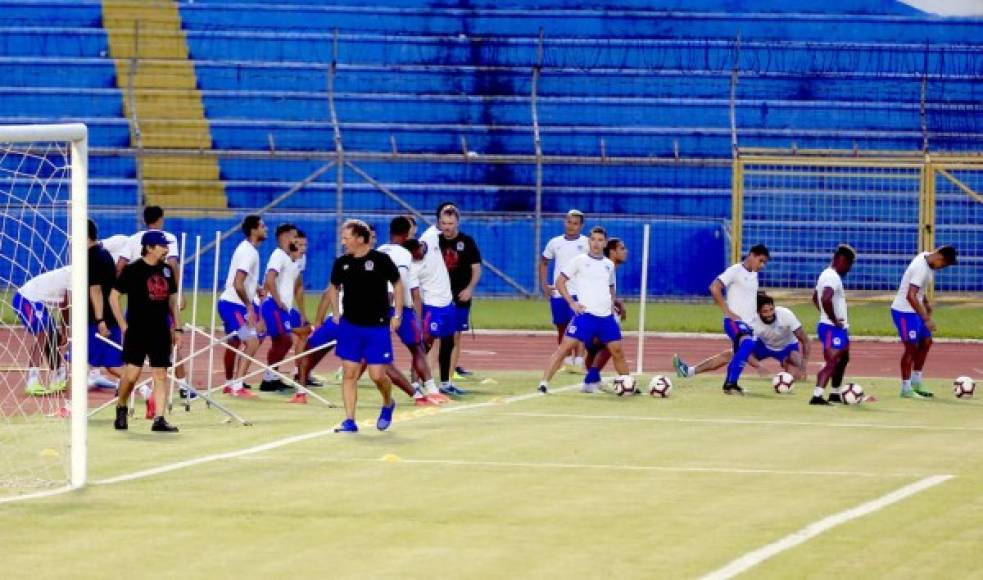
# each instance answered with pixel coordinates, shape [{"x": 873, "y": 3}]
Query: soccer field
[{"x": 506, "y": 483}]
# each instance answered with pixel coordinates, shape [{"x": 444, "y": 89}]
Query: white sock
[
  {"x": 60, "y": 374},
  {"x": 416, "y": 385},
  {"x": 835, "y": 390},
  {"x": 418, "y": 394},
  {"x": 269, "y": 376},
  {"x": 144, "y": 392},
  {"x": 236, "y": 385},
  {"x": 33, "y": 373},
  {"x": 906, "y": 385},
  {"x": 568, "y": 361},
  {"x": 916, "y": 377},
  {"x": 690, "y": 371},
  {"x": 578, "y": 362},
  {"x": 818, "y": 392},
  {"x": 431, "y": 387},
  {"x": 544, "y": 384}
]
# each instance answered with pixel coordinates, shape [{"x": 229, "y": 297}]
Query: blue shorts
[
  {"x": 833, "y": 337},
  {"x": 234, "y": 318},
  {"x": 463, "y": 312},
  {"x": 372, "y": 344},
  {"x": 33, "y": 315},
  {"x": 323, "y": 334},
  {"x": 586, "y": 327},
  {"x": 761, "y": 352},
  {"x": 409, "y": 329},
  {"x": 440, "y": 322},
  {"x": 735, "y": 329},
  {"x": 562, "y": 313},
  {"x": 277, "y": 319},
  {"x": 911, "y": 327},
  {"x": 103, "y": 354},
  {"x": 296, "y": 321}
]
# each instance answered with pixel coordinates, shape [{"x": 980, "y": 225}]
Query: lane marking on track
[
  {"x": 753, "y": 558},
  {"x": 737, "y": 421}
]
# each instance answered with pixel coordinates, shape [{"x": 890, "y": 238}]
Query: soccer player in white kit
[
  {"x": 560, "y": 250},
  {"x": 912, "y": 315},
  {"x": 235, "y": 305},
  {"x": 33, "y": 303},
  {"x": 594, "y": 307},
  {"x": 834, "y": 325},
  {"x": 280, "y": 284}
]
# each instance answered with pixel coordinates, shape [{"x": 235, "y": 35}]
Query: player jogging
[
  {"x": 364, "y": 275},
  {"x": 33, "y": 303},
  {"x": 594, "y": 307},
  {"x": 560, "y": 250},
  {"x": 912, "y": 315},
  {"x": 281, "y": 285},
  {"x": 834, "y": 325},
  {"x": 236, "y": 307}
]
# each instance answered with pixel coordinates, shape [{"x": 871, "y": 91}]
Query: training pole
[
  {"x": 177, "y": 323},
  {"x": 211, "y": 349},
  {"x": 642, "y": 299},
  {"x": 194, "y": 318}
]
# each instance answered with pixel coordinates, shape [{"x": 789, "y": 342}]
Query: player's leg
[
  {"x": 838, "y": 372},
  {"x": 378, "y": 353},
  {"x": 795, "y": 365},
  {"x": 556, "y": 361},
  {"x": 832, "y": 353},
  {"x": 131, "y": 373},
  {"x": 921, "y": 355},
  {"x": 325, "y": 335},
  {"x": 744, "y": 344},
  {"x": 709, "y": 364},
  {"x": 349, "y": 392},
  {"x": 597, "y": 357},
  {"x": 159, "y": 375},
  {"x": 618, "y": 357}
]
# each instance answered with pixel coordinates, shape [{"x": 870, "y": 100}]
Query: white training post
[
  {"x": 177, "y": 323},
  {"x": 642, "y": 299},
  {"x": 194, "y": 313},
  {"x": 211, "y": 350}
]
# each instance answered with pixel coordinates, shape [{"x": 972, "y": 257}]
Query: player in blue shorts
[
  {"x": 912, "y": 315},
  {"x": 594, "y": 307},
  {"x": 41, "y": 303},
  {"x": 598, "y": 356},
  {"x": 102, "y": 278},
  {"x": 280, "y": 283},
  {"x": 560, "y": 250},
  {"x": 834, "y": 326},
  {"x": 364, "y": 275}
]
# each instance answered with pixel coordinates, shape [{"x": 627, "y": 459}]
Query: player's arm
[
  {"x": 323, "y": 306},
  {"x": 468, "y": 291},
  {"x": 173, "y": 262},
  {"x": 827, "y": 304},
  {"x": 804, "y": 344},
  {"x": 172, "y": 303},
  {"x": 114, "y": 295},
  {"x": 269, "y": 283},
  {"x": 417, "y": 303},
  {"x": 120, "y": 264},
  {"x": 561, "y": 287},
  {"x": 299, "y": 298},
  {"x": 923, "y": 310},
  {"x": 717, "y": 292},
  {"x": 815, "y": 301},
  {"x": 543, "y": 265},
  {"x": 332, "y": 296},
  {"x": 239, "y": 285},
  {"x": 96, "y": 299},
  {"x": 398, "y": 295}
]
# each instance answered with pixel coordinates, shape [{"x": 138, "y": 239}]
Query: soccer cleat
[
  {"x": 590, "y": 388},
  {"x": 733, "y": 389},
  {"x": 818, "y": 401},
  {"x": 835, "y": 398},
  {"x": 187, "y": 394},
  {"x": 98, "y": 381},
  {"x": 911, "y": 394},
  {"x": 298, "y": 399},
  {"x": 272, "y": 386},
  {"x": 385, "y": 417},
  {"x": 682, "y": 369},
  {"x": 244, "y": 394},
  {"x": 35, "y": 389},
  {"x": 463, "y": 371},
  {"x": 57, "y": 386},
  {"x": 452, "y": 390},
  {"x": 151, "y": 409},
  {"x": 227, "y": 390},
  {"x": 438, "y": 399},
  {"x": 424, "y": 402},
  {"x": 543, "y": 389},
  {"x": 162, "y": 426},
  {"x": 347, "y": 426},
  {"x": 120, "y": 423},
  {"x": 923, "y": 392},
  {"x": 311, "y": 382}
]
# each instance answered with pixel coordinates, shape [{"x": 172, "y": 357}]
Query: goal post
[{"x": 43, "y": 202}]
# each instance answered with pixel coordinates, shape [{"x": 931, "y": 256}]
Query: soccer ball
[
  {"x": 660, "y": 386},
  {"x": 963, "y": 387},
  {"x": 852, "y": 394},
  {"x": 624, "y": 386},
  {"x": 783, "y": 383}
]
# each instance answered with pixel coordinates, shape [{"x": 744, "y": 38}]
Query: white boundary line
[
  {"x": 37, "y": 495},
  {"x": 752, "y": 559},
  {"x": 744, "y": 422},
  {"x": 169, "y": 467},
  {"x": 706, "y": 335}
]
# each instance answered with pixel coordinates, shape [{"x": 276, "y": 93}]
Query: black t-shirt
[
  {"x": 460, "y": 254},
  {"x": 102, "y": 273},
  {"x": 148, "y": 289},
  {"x": 363, "y": 280}
]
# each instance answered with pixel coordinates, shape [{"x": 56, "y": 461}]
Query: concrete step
[
  {"x": 204, "y": 194},
  {"x": 180, "y": 167},
  {"x": 159, "y": 74},
  {"x": 171, "y": 45},
  {"x": 175, "y": 134},
  {"x": 163, "y": 109}
]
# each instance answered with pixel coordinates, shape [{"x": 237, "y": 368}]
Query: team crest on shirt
[
  {"x": 460, "y": 246},
  {"x": 166, "y": 273},
  {"x": 344, "y": 267},
  {"x": 369, "y": 266}
]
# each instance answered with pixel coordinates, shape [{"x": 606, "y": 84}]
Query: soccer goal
[{"x": 43, "y": 337}]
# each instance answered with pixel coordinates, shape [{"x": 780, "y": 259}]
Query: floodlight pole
[
  {"x": 339, "y": 148},
  {"x": 537, "y": 143}
]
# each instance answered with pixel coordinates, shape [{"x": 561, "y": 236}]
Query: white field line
[
  {"x": 37, "y": 495},
  {"x": 169, "y": 467},
  {"x": 705, "y": 335},
  {"x": 621, "y": 467},
  {"x": 745, "y": 422},
  {"x": 752, "y": 559}
]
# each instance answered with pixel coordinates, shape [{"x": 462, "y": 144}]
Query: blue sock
[
  {"x": 737, "y": 364},
  {"x": 593, "y": 376}
]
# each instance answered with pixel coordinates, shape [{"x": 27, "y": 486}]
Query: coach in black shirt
[
  {"x": 147, "y": 332},
  {"x": 364, "y": 332},
  {"x": 463, "y": 261}
]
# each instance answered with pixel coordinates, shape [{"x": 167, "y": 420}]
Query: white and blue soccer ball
[
  {"x": 783, "y": 383},
  {"x": 624, "y": 386},
  {"x": 660, "y": 386},
  {"x": 852, "y": 394},
  {"x": 963, "y": 387}
]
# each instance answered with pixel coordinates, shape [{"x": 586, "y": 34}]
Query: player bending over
[
  {"x": 594, "y": 307},
  {"x": 912, "y": 315},
  {"x": 33, "y": 303},
  {"x": 834, "y": 326}
]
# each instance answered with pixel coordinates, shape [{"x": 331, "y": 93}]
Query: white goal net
[{"x": 44, "y": 307}]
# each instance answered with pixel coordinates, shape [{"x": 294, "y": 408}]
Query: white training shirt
[
  {"x": 287, "y": 271},
  {"x": 135, "y": 246},
  {"x": 245, "y": 259},
  {"x": 594, "y": 278},
  {"x": 435, "y": 283},
  {"x": 561, "y": 250},
  {"x": 404, "y": 263},
  {"x": 742, "y": 291},
  {"x": 117, "y": 246},
  {"x": 50, "y": 287},
  {"x": 781, "y": 332},
  {"x": 830, "y": 279},
  {"x": 918, "y": 273}
]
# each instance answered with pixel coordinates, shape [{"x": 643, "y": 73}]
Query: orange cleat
[{"x": 298, "y": 399}]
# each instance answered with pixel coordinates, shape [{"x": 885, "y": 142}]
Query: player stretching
[
  {"x": 236, "y": 308},
  {"x": 281, "y": 286},
  {"x": 779, "y": 336},
  {"x": 561, "y": 250},
  {"x": 594, "y": 307},
  {"x": 833, "y": 330},
  {"x": 364, "y": 275},
  {"x": 33, "y": 302},
  {"x": 912, "y": 314}
]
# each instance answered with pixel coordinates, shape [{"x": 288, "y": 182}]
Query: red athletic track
[{"x": 530, "y": 352}]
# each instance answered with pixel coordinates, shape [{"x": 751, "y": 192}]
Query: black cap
[{"x": 949, "y": 253}]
